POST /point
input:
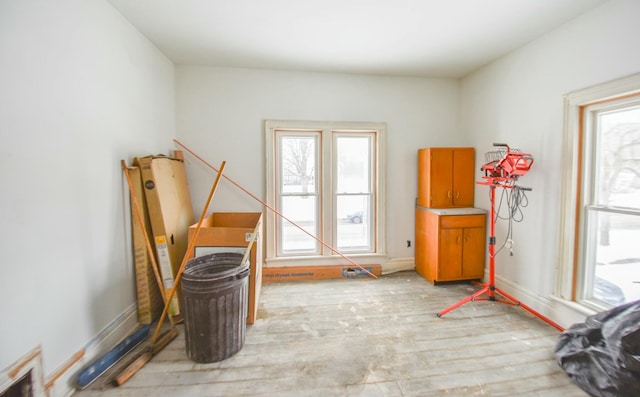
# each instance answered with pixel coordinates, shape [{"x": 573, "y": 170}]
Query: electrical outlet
[{"x": 408, "y": 243}]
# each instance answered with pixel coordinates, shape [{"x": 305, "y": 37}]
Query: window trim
[
  {"x": 571, "y": 233},
  {"x": 326, "y": 257}
]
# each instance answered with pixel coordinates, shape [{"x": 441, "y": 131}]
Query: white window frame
[
  {"x": 371, "y": 189},
  {"x": 328, "y": 256},
  {"x": 573, "y": 185},
  {"x": 316, "y": 193}
]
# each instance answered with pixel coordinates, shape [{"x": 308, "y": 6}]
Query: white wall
[
  {"x": 519, "y": 100},
  {"x": 81, "y": 89},
  {"x": 221, "y": 112}
]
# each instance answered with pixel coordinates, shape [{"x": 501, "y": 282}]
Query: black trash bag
[{"x": 602, "y": 355}]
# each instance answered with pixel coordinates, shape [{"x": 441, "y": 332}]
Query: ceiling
[{"x": 430, "y": 38}]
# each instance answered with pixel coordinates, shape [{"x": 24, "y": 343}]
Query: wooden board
[
  {"x": 306, "y": 273},
  {"x": 149, "y": 298}
]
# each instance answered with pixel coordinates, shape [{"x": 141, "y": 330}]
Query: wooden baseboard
[{"x": 309, "y": 273}]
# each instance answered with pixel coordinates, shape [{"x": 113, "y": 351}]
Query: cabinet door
[
  {"x": 463, "y": 177},
  {"x": 450, "y": 258},
  {"x": 473, "y": 252},
  {"x": 446, "y": 177},
  {"x": 441, "y": 178}
]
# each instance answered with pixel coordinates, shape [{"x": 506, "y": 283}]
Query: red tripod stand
[{"x": 502, "y": 170}]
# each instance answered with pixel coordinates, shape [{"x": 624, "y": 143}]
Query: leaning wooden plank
[
  {"x": 106, "y": 361},
  {"x": 145, "y": 357},
  {"x": 134, "y": 367},
  {"x": 150, "y": 294},
  {"x": 137, "y": 211}
]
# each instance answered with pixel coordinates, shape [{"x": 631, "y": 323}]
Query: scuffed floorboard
[{"x": 368, "y": 337}]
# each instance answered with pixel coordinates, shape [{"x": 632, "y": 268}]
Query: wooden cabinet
[
  {"x": 450, "y": 233},
  {"x": 450, "y": 244},
  {"x": 446, "y": 177}
]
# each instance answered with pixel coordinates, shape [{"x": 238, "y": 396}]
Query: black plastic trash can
[{"x": 214, "y": 305}]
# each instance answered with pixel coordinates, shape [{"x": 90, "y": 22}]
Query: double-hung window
[
  {"x": 603, "y": 196},
  {"x": 325, "y": 182}
]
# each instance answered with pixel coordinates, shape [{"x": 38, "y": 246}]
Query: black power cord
[{"x": 516, "y": 199}]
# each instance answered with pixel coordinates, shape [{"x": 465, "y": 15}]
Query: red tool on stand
[{"x": 503, "y": 168}]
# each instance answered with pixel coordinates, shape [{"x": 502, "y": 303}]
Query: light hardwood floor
[{"x": 368, "y": 337}]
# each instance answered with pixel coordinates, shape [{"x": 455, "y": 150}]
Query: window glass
[
  {"x": 618, "y": 158},
  {"x": 614, "y": 277},
  {"x": 298, "y": 159},
  {"x": 354, "y": 159},
  {"x": 610, "y": 265}
]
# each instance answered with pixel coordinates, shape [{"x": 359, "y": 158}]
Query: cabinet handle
[
  {"x": 466, "y": 240},
  {"x": 458, "y": 240},
  {"x": 457, "y": 194},
  {"x": 449, "y": 194}
]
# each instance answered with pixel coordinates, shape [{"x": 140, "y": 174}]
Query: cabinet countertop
[{"x": 453, "y": 211}]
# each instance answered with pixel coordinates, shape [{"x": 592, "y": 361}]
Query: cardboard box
[
  {"x": 232, "y": 232},
  {"x": 170, "y": 212}
]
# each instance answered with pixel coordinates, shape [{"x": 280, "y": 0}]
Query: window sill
[{"x": 574, "y": 306}]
